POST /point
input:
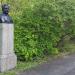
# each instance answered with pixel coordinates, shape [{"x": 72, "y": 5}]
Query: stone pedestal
[{"x": 8, "y": 58}]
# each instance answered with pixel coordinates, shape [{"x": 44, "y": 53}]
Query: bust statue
[{"x": 4, "y": 17}]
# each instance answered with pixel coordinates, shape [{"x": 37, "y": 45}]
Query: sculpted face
[{"x": 5, "y": 9}]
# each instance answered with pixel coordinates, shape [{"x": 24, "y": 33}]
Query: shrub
[{"x": 41, "y": 26}]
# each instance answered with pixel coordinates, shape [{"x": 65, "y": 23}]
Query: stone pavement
[{"x": 61, "y": 66}]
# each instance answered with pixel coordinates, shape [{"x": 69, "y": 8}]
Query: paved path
[{"x": 63, "y": 66}]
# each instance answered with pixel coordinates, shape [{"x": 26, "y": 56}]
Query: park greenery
[{"x": 41, "y": 26}]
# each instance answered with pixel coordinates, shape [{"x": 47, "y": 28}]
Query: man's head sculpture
[
  {"x": 5, "y": 9},
  {"x": 4, "y": 17}
]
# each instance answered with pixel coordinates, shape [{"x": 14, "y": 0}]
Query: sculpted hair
[{"x": 3, "y": 6}]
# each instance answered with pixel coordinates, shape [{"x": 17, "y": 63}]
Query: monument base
[
  {"x": 7, "y": 62},
  {"x": 8, "y": 58}
]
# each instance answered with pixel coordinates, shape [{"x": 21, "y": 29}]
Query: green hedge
[{"x": 40, "y": 27}]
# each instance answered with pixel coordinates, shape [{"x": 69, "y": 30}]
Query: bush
[{"x": 41, "y": 26}]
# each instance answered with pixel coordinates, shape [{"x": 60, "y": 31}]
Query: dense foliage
[{"x": 40, "y": 25}]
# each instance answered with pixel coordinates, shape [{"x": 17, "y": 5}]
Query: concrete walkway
[{"x": 61, "y": 66}]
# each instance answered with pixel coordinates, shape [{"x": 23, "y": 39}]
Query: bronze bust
[{"x": 4, "y": 17}]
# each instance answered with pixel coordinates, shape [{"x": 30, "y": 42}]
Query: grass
[
  {"x": 21, "y": 66},
  {"x": 68, "y": 46}
]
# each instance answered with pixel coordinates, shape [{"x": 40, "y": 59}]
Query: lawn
[{"x": 21, "y": 66}]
